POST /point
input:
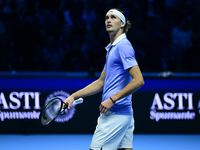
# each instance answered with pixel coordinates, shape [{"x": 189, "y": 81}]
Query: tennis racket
[{"x": 53, "y": 108}]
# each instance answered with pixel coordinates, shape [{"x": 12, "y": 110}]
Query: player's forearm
[
  {"x": 132, "y": 87},
  {"x": 91, "y": 89}
]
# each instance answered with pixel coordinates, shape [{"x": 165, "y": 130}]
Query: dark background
[{"x": 69, "y": 35}]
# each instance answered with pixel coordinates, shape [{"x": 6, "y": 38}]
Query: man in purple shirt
[
  {"x": 119, "y": 58},
  {"x": 120, "y": 78}
]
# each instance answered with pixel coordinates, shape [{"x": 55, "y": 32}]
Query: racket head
[{"x": 51, "y": 110}]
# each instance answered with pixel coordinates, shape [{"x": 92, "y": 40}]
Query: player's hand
[
  {"x": 68, "y": 100},
  {"x": 105, "y": 106}
]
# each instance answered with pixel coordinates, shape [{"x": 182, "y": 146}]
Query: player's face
[{"x": 113, "y": 23}]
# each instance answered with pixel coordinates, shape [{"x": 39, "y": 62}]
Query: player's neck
[{"x": 114, "y": 36}]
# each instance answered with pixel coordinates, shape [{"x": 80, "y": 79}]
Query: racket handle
[{"x": 75, "y": 102}]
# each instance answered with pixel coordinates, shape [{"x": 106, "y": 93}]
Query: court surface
[{"x": 82, "y": 142}]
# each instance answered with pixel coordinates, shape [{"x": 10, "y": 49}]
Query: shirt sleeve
[
  {"x": 104, "y": 68},
  {"x": 127, "y": 54}
]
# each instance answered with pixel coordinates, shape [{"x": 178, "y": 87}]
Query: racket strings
[{"x": 51, "y": 111}]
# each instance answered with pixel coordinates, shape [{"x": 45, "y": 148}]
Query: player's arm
[
  {"x": 91, "y": 89},
  {"x": 136, "y": 82}
]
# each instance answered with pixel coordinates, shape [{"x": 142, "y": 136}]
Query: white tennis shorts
[{"x": 112, "y": 132}]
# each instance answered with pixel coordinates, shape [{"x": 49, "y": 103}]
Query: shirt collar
[{"x": 116, "y": 41}]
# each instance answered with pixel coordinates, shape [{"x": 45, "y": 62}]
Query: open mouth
[{"x": 108, "y": 26}]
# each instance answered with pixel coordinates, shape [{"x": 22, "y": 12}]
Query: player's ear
[{"x": 122, "y": 24}]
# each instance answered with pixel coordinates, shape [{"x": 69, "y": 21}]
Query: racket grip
[{"x": 77, "y": 101}]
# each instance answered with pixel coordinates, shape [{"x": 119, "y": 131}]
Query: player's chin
[{"x": 109, "y": 30}]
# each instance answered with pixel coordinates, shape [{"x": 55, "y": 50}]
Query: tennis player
[{"x": 121, "y": 76}]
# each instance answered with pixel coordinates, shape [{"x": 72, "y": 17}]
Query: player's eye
[
  {"x": 106, "y": 18},
  {"x": 112, "y": 16}
]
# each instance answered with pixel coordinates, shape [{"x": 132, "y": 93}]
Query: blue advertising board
[{"x": 160, "y": 106}]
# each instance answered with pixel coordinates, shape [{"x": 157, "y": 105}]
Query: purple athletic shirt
[{"x": 120, "y": 57}]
